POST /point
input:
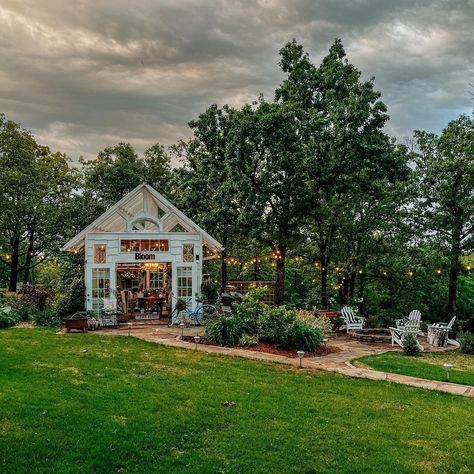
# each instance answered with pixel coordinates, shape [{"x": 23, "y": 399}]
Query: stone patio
[{"x": 339, "y": 362}]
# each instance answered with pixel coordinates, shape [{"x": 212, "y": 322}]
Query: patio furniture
[
  {"x": 351, "y": 321},
  {"x": 399, "y": 334},
  {"x": 438, "y": 333},
  {"x": 414, "y": 316}
]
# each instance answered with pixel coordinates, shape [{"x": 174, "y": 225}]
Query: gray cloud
[{"x": 87, "y": 74}]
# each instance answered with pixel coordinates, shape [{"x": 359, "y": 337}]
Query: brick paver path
[{"x": 339, "y": 362}]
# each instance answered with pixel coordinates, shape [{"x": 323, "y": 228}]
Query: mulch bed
[{"x": 270, "y": 348}]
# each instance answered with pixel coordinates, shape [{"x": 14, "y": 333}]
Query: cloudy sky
[{"x": 86, "y": 74}]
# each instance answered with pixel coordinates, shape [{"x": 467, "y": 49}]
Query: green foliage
[
  {"x": 466, "y": 341},
  {"x": 46, "y": 318},
  {"x": 226, "y": 330},
  {"x": 410, "y": 345},
  {"x": 276, "y": 325},
  {"x": 247, "y": 340},
  {"x": 302, "y": 336},
  {"x": 8, "y": 320},
  {"x": 320, "y": 322}
]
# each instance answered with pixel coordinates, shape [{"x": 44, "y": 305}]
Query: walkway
[{"x": 339, "y": 362}]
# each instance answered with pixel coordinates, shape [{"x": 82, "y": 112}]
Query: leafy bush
[
  {"x": 8, "y": 320},
  {"x": 303, "y": 336},
  {"x": 247, "y": 340},
  {"x": 322, "y": 323},
  {"x": 251, "y": 310},
  {"x": 46, "y": 318},
  {"x": 466, "y": 341},
  {"x": 410, "y": 345},
  {"x": 276, "y": 324},
  {"x": 226, "y": 331},
  {"x": 36, "y": 296}
]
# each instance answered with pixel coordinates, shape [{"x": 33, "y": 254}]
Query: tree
[
  {"x": 34, "y": 187},
  {"x": 205, "y": 187},
  {"x": 353, "y": 164},
  {"x": 119, "y": 169},
  {"x": 445, "y": 170},
  {"x": 267, "y": 152}
]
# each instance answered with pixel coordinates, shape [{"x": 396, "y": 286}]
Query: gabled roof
[{"x": 142, "y": 204}]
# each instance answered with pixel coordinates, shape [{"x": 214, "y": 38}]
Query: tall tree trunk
[
  {"x": 345, "y": 284},
  {"x": 352, "y": 280},
  {"x": 453, "y": 275},
  {"x": 12, "y": 286},
  {"x": 29, "y": 258},
  {"x": 324, "y": 282},
  {"x": 280, "y": 275}
]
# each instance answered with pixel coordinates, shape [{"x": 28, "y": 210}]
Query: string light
[{"x": 410, "y": 274}]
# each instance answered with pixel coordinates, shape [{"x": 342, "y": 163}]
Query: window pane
[
  {"x": 144, "y": 245},
  {"x": 125, "y": 245}
]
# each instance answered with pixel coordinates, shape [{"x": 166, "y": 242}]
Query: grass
[
  {"x": 427, "y": 366},
  {"x": 86, "y": 403}
]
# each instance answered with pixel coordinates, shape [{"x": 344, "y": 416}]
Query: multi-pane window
[
  {"x": 188, "y": 253},
  {"x": 100, "y": 287},
  {"x": 184, "y": 288},
  {"x": 100, "y": 253},
  {"x": 157, "y": 278},
  {"x": 144, "y": 245}
]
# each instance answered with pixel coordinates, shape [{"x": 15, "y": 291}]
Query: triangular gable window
[{"x": 178, "y": 228}]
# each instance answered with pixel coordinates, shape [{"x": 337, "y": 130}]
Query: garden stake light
[
  {"x": 181, "y": 325},
  {"x": 448, "y": 366},
  {"x": 129, "y": 328},
  {"x": 196, "y": 340},
  {"x": 300, "y": 355}
]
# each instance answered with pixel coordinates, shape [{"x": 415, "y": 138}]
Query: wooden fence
[{"x": 244, "y": 286}]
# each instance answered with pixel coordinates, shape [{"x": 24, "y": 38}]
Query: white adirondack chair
[
  {"x": 414, "y": 316},
  {"x": 399, "y": 334},
  {"x": 438, "y": 333},
  {"x": 351, "y": 321}
]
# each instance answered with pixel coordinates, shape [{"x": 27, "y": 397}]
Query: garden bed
[{"x": 269, "y": 348}]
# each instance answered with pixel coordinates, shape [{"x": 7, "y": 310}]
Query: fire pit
[
  {"x": 76, "y": 321},
  {"x": 371, "y": 335}
]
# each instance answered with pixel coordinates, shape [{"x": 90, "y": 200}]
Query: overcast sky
[{"x": 86, "y": 74}]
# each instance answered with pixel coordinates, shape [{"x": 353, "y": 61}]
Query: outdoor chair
[
  {"x": 414, "y": 316},
  {"x": 351, "y": 321},
  {"x": 399, "y": 334},
  {"x": 438, "y": 333}
]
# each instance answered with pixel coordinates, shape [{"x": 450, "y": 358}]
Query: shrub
[
  {"x": 303, "y": 336},
  {"x": 322, "y": 323},
  {"x": 410, "y": 345},
  {"x": 247, "y": 340},
  {"x": 276, "y": 324},
  {"x": 46, "y": 318},
  {"x": 36, "y": 296},
  {"x": 251, "y": 310},
  {"x": 466, "y": 341},
  {"x": 226, "y": 331},
  {"x": 8, "y": 320}
]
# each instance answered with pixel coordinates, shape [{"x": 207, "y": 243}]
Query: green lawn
[
  {"x": 428, "y": 366},
  {"x": 84, "y": 403}
]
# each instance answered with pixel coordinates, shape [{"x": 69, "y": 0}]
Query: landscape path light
[
  {"x": 181, "y": 325},
  {"x": 300, "y": 354},
  {"x": 196, "y": 340},
  {"x": 129, "y": 328},
  {"x": 448, "y": 366}
]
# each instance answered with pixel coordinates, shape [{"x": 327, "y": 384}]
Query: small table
[{"x": 147, "y": 303}]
